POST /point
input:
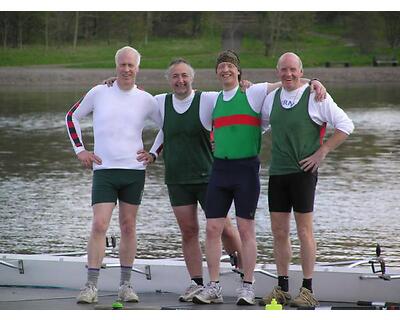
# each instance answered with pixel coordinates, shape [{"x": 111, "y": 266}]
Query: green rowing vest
[
  {"x": 237, "y": 128},
  {"x": 295, "y": 135},
  {"x": 187, "y": 149}
]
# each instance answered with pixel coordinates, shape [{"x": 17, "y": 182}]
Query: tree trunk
[
  {"x": 20, "y": 25},
  {"x": 76, "y": 29},
  {"x": 46, "y": 31},
  {"x": 149, "y": 24},
  {"x": 5, "y": 34}
]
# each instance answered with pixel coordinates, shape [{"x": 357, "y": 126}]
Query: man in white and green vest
[
  {"x": 237, "y": 125},
  {"x": 298, "y": 125}
]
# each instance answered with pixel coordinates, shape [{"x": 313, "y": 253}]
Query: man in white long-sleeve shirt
[
  {"x": 298, "y": 125},
  {"x": 119, "y": 115}
]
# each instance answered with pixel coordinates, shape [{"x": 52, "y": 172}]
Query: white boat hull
[{"x": 329, "y": 283}]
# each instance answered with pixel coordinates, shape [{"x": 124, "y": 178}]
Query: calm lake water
[{"x": 45, "y": 193}]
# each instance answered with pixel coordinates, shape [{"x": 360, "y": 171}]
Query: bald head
[
  {"x": 290, "y": 70},
  {"x": 289, "y": 55}
]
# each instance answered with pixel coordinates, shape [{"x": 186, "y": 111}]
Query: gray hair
[
  {"x": 127, "y": 48},
  {"x": 177, "y": 61},
  {"x": 292, "y": 54}
]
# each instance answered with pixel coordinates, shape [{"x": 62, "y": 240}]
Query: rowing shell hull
[{"x": 340, "y": 284}]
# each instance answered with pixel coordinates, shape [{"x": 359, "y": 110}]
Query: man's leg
[
  {"x": 249, "y": 247},
  {"x": 230, "y": 234},
  {"x": 186, "y": 216},
  {"x": 231, "y": 241},
  {"x": 96, "y": 245},
  {"x": 304, "y": 223},
  {"x": 246, "y": 295},
  {"x": 127, "y": 223},
  {"x": 101, "y": 220},
  {"x": 214, "y": 229},
  {"x": 127, "y": 249},
  {"x": 280, "y": 226},
  {"x": 212, "y": 292}
]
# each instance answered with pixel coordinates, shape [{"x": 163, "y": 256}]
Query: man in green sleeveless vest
[
  {"x": 236, "y": 118},
  {"x": 185, "y": 143},
  {"x": 297, "y": 128}
]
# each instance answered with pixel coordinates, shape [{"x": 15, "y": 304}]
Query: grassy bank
[{"x": 314, "y": 49}]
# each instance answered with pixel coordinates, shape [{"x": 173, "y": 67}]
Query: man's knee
[
  {"x": 280, "y": 233},
  {"x": 99, "y": 227},
  {"x": 305, "y": 234},
  {"x": 190, "y": 233},
  {"x": 214, "y": 228},
  {"x": 127, "y": 228}
]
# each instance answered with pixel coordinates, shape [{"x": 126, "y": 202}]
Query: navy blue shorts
[
  {"x": 295, "y": 190},
  {"x": 233, "y": 180}
]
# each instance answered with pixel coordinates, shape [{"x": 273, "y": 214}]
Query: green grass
[{"x": 314, "y": 49}]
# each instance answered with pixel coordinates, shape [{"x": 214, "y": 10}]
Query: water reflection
[{"x": 45, "y": 194}]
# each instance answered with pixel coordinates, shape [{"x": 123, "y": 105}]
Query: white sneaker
[
  {"x": 246, "y": 295},
  {"x": 126, "y": 293},
  {"x": 88, "y": 294},
  {"x": 211, "y": 293},
  {"x": 191, "y": 291}
]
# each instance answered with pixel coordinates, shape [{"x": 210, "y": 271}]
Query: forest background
[{"x": 86, "y": 39}]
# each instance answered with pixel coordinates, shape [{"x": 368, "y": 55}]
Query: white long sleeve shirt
[{"x": 119, "y": 117}]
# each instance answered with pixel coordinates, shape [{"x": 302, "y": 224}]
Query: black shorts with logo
[{"x": 292, "y": 191}]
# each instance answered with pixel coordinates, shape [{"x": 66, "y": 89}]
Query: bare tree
[
  {"x": 5, "y": 23},
  {"x": 392, "y": 28},
  {"x": 76, "y": 29},
  {"x": 149, "y": 26},
  {"x": 272, "y": 26},
  {"x": 234, "y": 27}
]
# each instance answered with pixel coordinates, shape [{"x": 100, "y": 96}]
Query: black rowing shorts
[
  {"x": 292, "y": 191},
  {"x": 233, "y": 180}
]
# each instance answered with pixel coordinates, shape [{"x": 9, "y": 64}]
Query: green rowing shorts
[
  {"x": 124, "y": 184},
  {"x": 186, "y": 194}
]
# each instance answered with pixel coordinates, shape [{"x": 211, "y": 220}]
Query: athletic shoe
[
  {"x": 88, "y": 294},
  {"x": 246, "y": 295},
  {"x": 305, "y": 299},
  {"x": 211, "y": 293},
  {"x": 278, "y": 294},
  {"x": 126, "y": 293},
  {"x": 191, "y": 291}
]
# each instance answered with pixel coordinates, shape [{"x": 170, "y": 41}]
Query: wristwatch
[{"x": 153, "y": 156}]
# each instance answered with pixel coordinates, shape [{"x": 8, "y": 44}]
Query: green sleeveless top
[
  {"x": 295, "y": 135},
  {"x": 237, "y": 128},
  {"x": 187, "y": 149}
]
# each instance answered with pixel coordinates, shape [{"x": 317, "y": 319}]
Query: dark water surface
[{"x": 45, "y": 194}]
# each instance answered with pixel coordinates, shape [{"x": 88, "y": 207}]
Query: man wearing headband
[{"x": 237, "y": 123}]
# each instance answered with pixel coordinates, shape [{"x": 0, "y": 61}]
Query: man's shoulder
[
  {"x": 160, "y": 96},
  {"x": 257, "y": 88},
  {"x": 98, "y": 88},
  {"x": 143, "y": 93}
]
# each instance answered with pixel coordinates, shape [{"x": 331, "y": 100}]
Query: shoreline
[{"x": 51, "y": 77}]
